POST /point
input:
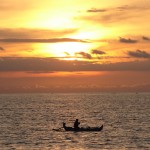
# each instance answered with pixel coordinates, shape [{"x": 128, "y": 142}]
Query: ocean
[{"x": 27, "y": 121}]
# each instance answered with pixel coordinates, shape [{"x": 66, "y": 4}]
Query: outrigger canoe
[{"x": 82, "y": 128}]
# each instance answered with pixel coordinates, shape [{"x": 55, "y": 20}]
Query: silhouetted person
[{"x": 76, "y": 124}]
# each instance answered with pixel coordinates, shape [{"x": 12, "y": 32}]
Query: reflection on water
[{"x": 27, "y": 120}]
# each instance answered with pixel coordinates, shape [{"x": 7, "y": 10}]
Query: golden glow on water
[{"x": 39, "y": 113}]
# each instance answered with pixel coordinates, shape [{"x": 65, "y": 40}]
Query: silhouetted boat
[{"x": 82, "y": 128}]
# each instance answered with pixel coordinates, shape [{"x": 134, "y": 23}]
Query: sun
[
  {"x": 62, "y": 50},
  {"x": 68, "y": 49}
]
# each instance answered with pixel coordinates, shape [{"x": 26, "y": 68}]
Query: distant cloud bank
[
  {"x": 54, "y": 40},
  {"x": 51, "y": 64}
]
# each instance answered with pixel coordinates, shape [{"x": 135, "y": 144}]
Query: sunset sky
[{"x": 74, "y": 46}]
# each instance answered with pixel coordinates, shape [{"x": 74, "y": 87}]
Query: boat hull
[{"x": 88, "y": 129}]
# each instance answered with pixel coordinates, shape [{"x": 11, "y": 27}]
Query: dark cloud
[
  {"x": 27, "y": 33},
  {"x": 51, "y": 65},
  {"x": 122, "y": 8},
  {"x": 97, "y": 52},
  {"x": 129, "y": 41},
  {"x": 67, "y": 53},
  {"x": 139, "y": 54},
  {"x": 53, "y": 40},
  {"x": 84, "y": 55},
  {"x": 146, "y": 38},
  {"x": 95, "y": 10},
  {"x": 2, "y": 49}
]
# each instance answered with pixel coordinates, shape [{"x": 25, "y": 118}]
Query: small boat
[{"x": 82, "y": 128}]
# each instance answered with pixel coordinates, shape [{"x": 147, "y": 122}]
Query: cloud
[
  {"x": 67, "y": 53},
  {"x": 84, "y": 55},
  {"x": 129, "y": 41},
  {"x": 113, "y": 15},
  {"x": 132, "y": 7},
  {"x": 107, "y": 18},
  {"x": 28, "y": 33},
  {"x": 139, "y": 54},
  {"x": 52, "y": 65},
  {"x": 119, "y": 8},
  {"x": 146, "y": 38},
  {"x": 53, "y": 40},
  {"x": 2, "y": 49},
  {"x": 98, "y": 52},
  {"x": 95, "y": 10}
]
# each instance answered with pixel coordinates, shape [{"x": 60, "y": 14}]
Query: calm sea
[{"x": 27, "y": 121}]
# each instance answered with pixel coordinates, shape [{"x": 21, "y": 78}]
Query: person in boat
[{"x": 76, "y": 124}]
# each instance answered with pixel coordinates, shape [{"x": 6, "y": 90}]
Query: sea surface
[{"x": 27, "y": 121}]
